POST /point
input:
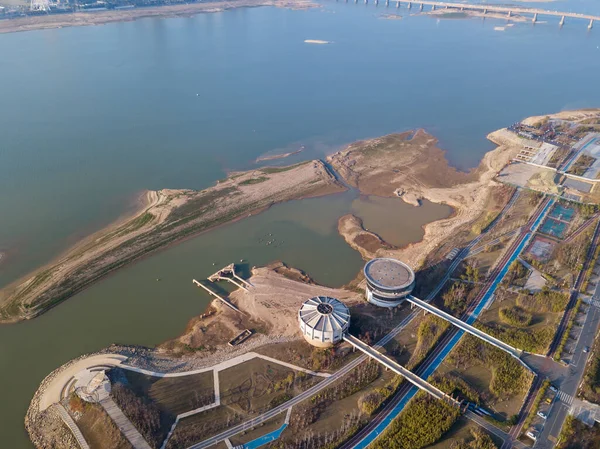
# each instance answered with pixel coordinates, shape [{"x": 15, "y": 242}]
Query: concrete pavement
[{"x": 53, "y": 391}]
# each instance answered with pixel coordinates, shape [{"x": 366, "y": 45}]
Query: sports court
[
  {"x": 563, "y": 213},
  {"x": 541, "y": 248},
  {"x": 554, "y": 228}
]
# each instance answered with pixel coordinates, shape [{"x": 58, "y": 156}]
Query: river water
[{"x": 91, "y": 116}]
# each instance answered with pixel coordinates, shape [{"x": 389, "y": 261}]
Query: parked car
[
  {"x": 553, "y": 389},
  {"x": 532, "y": 434},
  {"x": 542, "y": 415}
]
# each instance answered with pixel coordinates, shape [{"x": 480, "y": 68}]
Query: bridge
[
  {"x": 516, "y": 353},
  {"x": 399, "y": 369},
  {"x": 508, "y": 10}
]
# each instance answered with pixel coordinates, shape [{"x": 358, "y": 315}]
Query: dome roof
[{"x": 325, "y": 314}]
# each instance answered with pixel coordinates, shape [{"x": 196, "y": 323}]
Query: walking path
[
  {"x": 516, "y": 353},
  {"x": 124, "y": 425},
  {"x": 225, "y": 365},
  {"x": 53, "y": 391},
  {"x": 64, "y": 415}
]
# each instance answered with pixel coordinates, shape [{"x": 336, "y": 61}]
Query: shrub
[
  {"x": 516, "y": 316},
  {"x": 545, "y": 300},
  {"x": 422, "y": 423}
]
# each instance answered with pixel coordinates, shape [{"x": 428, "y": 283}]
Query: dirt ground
[
  {"x": 412, "y": 166},
  {"x": 174, "y": 395},
  {"x": 96, "y": 426}
]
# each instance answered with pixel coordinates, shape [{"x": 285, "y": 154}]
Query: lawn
[{"x": 173, "y": 395}]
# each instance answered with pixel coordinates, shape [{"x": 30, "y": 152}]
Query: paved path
[
  {"x": 124, "y": 425},
  {"x": 64, "y": 415},
  {"x": 53, "y": 391},
  {"x": 516, "y": 353},
  {"x": 493, "y": 429},
  {"x": 223, "y": 366},
  {"x": 399, "y": 369}
]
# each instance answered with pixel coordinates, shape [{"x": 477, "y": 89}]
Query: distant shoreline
[{"x": 52, "y": 21}]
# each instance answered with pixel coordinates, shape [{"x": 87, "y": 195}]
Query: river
[{"x": 91, "y": 116}]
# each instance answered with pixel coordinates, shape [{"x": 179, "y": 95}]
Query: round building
[
  {"x": 323, "y": 321},
  {"x": 389, "y": 281}
]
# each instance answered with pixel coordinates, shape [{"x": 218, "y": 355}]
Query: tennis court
[
  {"x": 554, "y": 228},
  {"x": 561, "y": 212}
]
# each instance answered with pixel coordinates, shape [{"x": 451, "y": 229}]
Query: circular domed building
[
  {"x": 389, "y": 281},
  {"x": 324, "y": 321}
]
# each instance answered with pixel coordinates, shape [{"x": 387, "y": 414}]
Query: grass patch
[
  {"x": 422, "y": 423},
  {"x": 509, "y": 378},
  {"x": 545, "y": 300},
  {"x": 576, "y": 435},
  {"x": 249, "y": 182},
  {"x": 172, "y": 395},
  {"x": 531, "y": 340},
  {"x": 515, "y": 316},
  {"x": 272, "y": 170},
  {"x": 97, "y": 427},
  {"x": 591, "y": 380},
  {"x": 567, "y": 333}
]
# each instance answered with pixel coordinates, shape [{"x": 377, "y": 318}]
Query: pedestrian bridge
[
  {"x": 516, "y": 353},
  {"x": 399, "y": 369}
]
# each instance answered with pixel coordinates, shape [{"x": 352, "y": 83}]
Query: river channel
[{"x": 91, "y": 116}]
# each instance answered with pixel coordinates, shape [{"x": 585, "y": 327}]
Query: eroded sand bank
[{"x": 169, "y": 216}]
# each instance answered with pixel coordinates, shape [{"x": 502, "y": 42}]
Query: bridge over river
[{"x": 484, "y": 9}]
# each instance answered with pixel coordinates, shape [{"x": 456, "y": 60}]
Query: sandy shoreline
[
  {"x": 32, "y": 23},
  {"x": 168, "y": 216},
  {"x": 413, "y": 167}
]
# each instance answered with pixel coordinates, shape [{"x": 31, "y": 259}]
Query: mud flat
[
  {"x": 457, "y": 14},
  {"x": 412, "y": 166},
  {"x": 42, "y": 22},
  {"x": 168, "y": 216}
]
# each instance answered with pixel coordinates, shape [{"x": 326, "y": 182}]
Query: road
[
  {"x": 569, "y": 385},
  {"x": 564, "y": 382},
  {"x": 575, "y": 293}
]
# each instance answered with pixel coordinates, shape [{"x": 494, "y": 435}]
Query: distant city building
[
  {"x": 389, "y": 281},
  {"x": 324, "y": 321}
]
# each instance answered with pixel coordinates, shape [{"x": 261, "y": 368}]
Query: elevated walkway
[
  {"x": 516, "y": 353},
  {"x": 399, "y": 369},
  {"x": 64, "y": 415}
]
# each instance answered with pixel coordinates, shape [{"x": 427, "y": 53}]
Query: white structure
[
  {"x": 323, "y": 321},
  {"x": 92, "y": 385},
  {"x": 39, "y": 5},
  {"x": 389, "y": 281}
]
